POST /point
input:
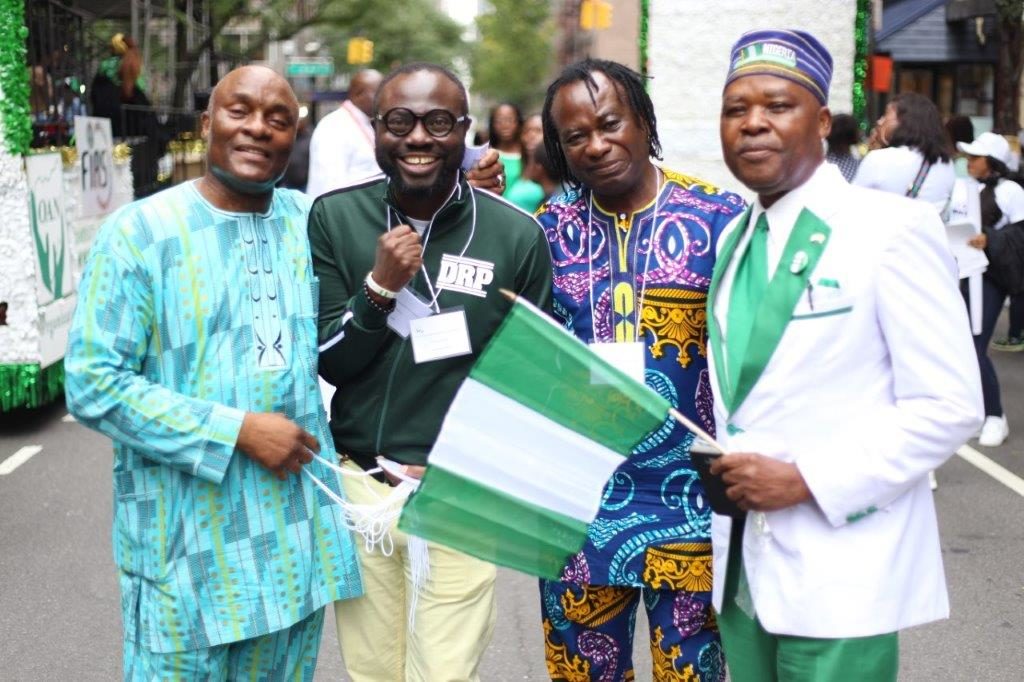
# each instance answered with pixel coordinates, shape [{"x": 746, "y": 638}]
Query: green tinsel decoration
[
  {"x": 645, "y": 22},
  {"x": 30, "y": 386},
  {"x": 862, "y": 39},
  {"x": 14, "y": 112}
]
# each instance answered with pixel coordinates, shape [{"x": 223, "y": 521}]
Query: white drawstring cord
[{"x": 373, "y": 521}]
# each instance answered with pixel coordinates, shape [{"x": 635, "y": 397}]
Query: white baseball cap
[{"x": 988, "y": 144}]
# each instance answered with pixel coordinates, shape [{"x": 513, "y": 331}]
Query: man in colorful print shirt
[{"x": 633, "y": 247}]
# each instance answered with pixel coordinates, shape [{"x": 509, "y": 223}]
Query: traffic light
[
  {"x": 360, "y": 51},
  {"x": 595, "y": 14}
]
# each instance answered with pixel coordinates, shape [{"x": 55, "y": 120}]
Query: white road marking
[
  {"x": 68, "y": 418},
  {"x": 996, "y": 471},
  {"x": 19, "y": 458}
]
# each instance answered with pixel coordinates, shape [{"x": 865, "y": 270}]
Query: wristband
[
  {"x": 377, "y": 306},
  {"x": 378, "y": 289}
]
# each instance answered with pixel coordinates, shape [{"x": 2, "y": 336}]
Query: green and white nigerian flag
[{"x": 534, "y": 433}]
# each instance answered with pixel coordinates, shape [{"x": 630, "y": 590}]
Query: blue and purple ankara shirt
[{"x": 645, "y": 276}]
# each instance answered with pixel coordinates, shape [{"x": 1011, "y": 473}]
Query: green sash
[{"x": 800, "y": 256}]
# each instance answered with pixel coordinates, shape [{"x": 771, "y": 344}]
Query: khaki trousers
[{"x": 455, "y": 611}]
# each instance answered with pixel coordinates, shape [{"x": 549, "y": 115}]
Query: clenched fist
[
  {"x": 276, "y": 442},
  {"x": 399, "y": 257}
]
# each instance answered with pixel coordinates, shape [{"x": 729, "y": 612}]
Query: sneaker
[
  {"x": 993, "y": 432},
  {"x": 1013, "y": 344}
]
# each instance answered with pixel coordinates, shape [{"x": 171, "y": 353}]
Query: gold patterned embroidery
[
  {"x": 663, "y": 663},
  {"x": 597, "y": 605},
  {"x": 690, "y": 182},
  {"x": 675, "y": 317},
  {"x": 685, "y": 566},
  {"x": 560, "y": 666}
]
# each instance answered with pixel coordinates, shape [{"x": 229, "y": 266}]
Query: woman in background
[
  {"x": 532, "y": 133},
  {"x": 1002, "y": 205},
  {"x": 915, "y": 158},
  {"x": 842, "y": 145},
  {"x": 504, "y": 126}
]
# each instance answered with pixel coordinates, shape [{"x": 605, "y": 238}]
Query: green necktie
[{"x": 748, "y": 287}]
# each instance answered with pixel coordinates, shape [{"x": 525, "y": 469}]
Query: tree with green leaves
[
  {"x": 513, "y": 58},
  {"x": 413, "y": 31},
  {"x": 1009, "y": 15},
  {"x": 277, "y": 20}
]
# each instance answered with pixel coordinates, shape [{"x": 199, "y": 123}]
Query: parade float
[
  {"x": 684, "y": 48},
  {"x": 52, "y": 201}
]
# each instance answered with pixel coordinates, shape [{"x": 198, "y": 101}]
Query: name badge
[
  {"x": 627, "y": 357},
  {"x": 445, "y": 335},
  {"x": 408, "y": 307}
]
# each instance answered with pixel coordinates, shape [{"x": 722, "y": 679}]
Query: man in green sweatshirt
[{"x": 410, "y": 266}]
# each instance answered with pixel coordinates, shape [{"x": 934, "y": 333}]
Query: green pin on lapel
[{"x": 799, "y": 264}]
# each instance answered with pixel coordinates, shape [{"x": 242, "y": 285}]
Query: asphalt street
[{"x": 60, "y": 610}]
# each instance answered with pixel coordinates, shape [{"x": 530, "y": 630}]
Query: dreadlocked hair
[{"x": 628, "y": 82}]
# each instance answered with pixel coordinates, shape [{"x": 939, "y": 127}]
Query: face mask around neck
[{"x": 246, "y": 187}]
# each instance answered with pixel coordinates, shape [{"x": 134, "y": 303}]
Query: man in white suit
[{"x": 843, "y": 368}]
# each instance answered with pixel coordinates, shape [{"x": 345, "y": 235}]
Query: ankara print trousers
[
  {"x": 588, "y": 633},
  {"x": 288, "y": 654}
]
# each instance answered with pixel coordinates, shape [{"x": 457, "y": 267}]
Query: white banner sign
[
  {"x": 50, "y": 229},
  {"x": 95, "y": 154},
  {"x": 54, "y": 326}
]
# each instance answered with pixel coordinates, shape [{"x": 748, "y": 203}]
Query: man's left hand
[
  {"x": 759, "y": 483},
  {"x": 488, "y": 173}
]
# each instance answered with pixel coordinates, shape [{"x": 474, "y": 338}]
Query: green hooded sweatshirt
[{"x": 476, "y": 244}]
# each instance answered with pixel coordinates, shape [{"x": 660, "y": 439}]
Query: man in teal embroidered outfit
[
  {"x": 194, "y": 348},
  {"x": 832, "y": 404}
]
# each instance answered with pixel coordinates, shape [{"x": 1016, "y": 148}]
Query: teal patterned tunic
[{"x": 189, "y": 317}]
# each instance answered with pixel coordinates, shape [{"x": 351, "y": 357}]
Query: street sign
[{"x": 320, "y": 67}]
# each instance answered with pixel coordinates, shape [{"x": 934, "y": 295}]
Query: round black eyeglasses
[{"x": 400, "y": 121}]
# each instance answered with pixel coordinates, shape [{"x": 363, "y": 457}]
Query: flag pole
[{"x": 681, "y": 418}]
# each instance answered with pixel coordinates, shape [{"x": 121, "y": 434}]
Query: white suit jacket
[
  {"x": 874, "y": 383},
  {"x": 341, "y": 151}
]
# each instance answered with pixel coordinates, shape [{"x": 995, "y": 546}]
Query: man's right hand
[
  {"x": 276, "y": 442},
  {"x": 399, "y": 257}
]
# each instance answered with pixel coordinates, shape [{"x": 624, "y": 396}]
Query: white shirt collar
[
  {"x": 357, "y": 113},
  {"x": 783, "y": 214}
]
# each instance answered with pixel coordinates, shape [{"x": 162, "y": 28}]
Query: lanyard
[
  {"x": 436, "y": 291},
  {"x": 915, "y": 186},
  {"x": 637, "y": 301}
]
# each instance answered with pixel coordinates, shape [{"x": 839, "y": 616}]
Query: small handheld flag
[{"x": 534, "y": 433}]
